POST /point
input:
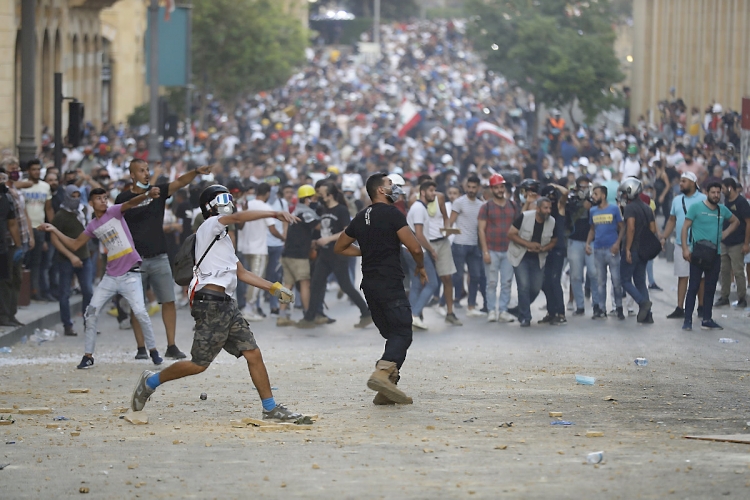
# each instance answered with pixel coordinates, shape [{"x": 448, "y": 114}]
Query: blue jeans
[
  {"x": 499, "y": 265},
  {"x": 633, "y": 277},
  {"x": 650, "y": 272},
  {"x": 471, "y": 256},
  {"x": 85, "y": 275},
  {"x": 274, "y": 271},
  {"x": 604, "y": 259},
  {"x": 552, "y": 286},
  {"x": 578, "y": 260},
  {"x": 529, "y": 277},
  {"x": 420, "y": 295}
]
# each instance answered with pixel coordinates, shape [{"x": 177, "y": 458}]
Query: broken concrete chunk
[
  {"x": 79, "y": 391},
  {"x": 137, "y": 418},
  {"x": 594, "y": 434},
  {"x": 555, "y": 414}
]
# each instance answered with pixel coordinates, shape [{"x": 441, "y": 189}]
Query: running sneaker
[
  {"x": 142, "y": 353},
  {"x": 142, "y": 392},
  {"x": 643, "y": 309},
  {"x": 687, "y": 325},
  {"x": 174, "y": 352},
  {"x": 363, "y": 321},
  {"x": 678, "y": 313},
  {"x": 417, "y": 323},
  {"x": 453, "y": 320},
  {"x": 709, "y": 324},
  {"x": 86, "y": 363},
  {"x": 441, "y": 310},
  {"x": 525, "y": 323},
  {"x": 476, "y": 313},
  {"x": 655, "y": 287},
  {"x": 153, "y": 308},
  {"x": 506, "y": 317},
  {"x": 155, "y": 357},
  {"x": 322, "y": 319},
  {"x": 281, "y": 414},
  {"x": 125, "y": 324},
  {"x": 546, "y": 319},
  {"x": 721, "y": 302},
  {"x": 579, "y": 312},
  {"x": 492, "y": 317}
]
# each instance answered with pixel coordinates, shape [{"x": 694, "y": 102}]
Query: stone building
[{"x": 698, "y": 47}]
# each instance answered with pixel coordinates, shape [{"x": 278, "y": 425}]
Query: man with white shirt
[
  {"x": 276, "y": 245},
  {"x": 38, "y": 200},
  {"x": 418, "y": 220},
  {"x": 631, "y": 166},
  {"x": 252, "y": 242}
]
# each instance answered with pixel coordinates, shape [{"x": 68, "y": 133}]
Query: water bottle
[
  {"x": 595, "y": 457},
  {"x": 5, "y": 350},
  {"x": 728, "y": 341},
  {"x": 641, "y": 361}
]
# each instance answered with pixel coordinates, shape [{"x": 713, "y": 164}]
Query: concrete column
[
  {"x": 154, "y": 152},
  {"x": 27, "y": 145},
  {"x": 7, "y": 69}
]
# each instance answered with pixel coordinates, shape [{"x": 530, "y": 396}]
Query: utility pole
[
  {"x": 27, "y": 146},
  {"x": 58, "y": 120},
  {"x": 376, "y": 25},
  {"x": 154, "y": 151},
  {"x": 188, "y": 76}
]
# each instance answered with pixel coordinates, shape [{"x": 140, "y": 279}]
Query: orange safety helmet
[{"x": 496, "y": 179}]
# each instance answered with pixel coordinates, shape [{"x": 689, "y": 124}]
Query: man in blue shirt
[
  {"x": 689, "y": 195},
  {"x": 605, "y": 233},
  {"x": 705, "y": 219}
]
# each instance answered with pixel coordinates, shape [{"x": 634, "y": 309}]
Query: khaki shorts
[
  {"x": 219, "y": 325},
  {"x": 295, "y": 269},
  {"x": 681, "y": 266},
  {"x": 444, "y": 265}
]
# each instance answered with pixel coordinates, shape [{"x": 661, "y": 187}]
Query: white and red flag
[
  {"x": 491, "y": 128},
  {"x": 408, "y": 116}
]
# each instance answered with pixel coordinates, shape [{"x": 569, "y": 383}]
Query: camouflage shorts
[{"x": 219, "y": 325}]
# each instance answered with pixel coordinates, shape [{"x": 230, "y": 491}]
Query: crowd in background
[{"x": 310, "y": 145}]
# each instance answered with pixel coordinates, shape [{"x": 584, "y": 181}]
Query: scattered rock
[
  {"x": 430, "y": 427},
  {"x": 555, "y": 414},
  {"x": 75, "y": 434},
  {"x": 594, "y": 434},
  {"x": 501, "y": 447},
  {"x": 35, "y": 411},
  {"x": 136, "y": 418},
  {"x": 316, "y": 466},
  {"x": 79, "y": 391},
  {"x": 132, "y": 466},
  {"x": 83, "y": 489}
]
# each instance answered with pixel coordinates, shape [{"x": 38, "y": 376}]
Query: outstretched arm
[
  {"x": 251, "y": 215},
  {"x": 72, "y": 244},
  {"x": 187, "y": 178},
  {"x": 345, "y": 246},
  {"x": 152, "y": 193}
]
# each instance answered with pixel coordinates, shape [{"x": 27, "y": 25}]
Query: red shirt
[{"x": 499, "y": 219}]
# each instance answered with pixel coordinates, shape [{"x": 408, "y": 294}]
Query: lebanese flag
[
  {"x": 408, "y": 116},
  {"x": 168, "y": 9},
  {"x": 490, "y": 128}
]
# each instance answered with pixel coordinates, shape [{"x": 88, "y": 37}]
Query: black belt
[
  {"x": 210, "y": 295},
  {"x": 151, "y": 256},
  {"x": 135, "y": 269},
  {"x": 438, "y": 239}
]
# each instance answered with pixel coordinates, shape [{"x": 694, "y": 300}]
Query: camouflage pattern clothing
[{"x": 219, "y": 325}]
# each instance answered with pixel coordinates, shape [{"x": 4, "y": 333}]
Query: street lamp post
[
  {"x": 27, "y": 146},
  {"x": 376, "y": 25}
]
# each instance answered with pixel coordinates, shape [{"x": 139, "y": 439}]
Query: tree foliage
[
  {"x": 389, "y": 9},
  {"x": 560, "y": 51},
  {"x": 244, "y": 46}
]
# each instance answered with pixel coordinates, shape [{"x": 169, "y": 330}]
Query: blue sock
[
  {"x": 153, "y": 381},
  {"x": 268, "y": 404}
]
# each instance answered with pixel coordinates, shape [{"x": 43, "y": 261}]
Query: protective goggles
[{"x": 221, "y": 200}]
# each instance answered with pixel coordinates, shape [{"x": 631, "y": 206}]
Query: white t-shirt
[
  {"x": 630, "y": 168},
  {"x": 219, "y": 267},
  {"x": 616, "y": 156},
  {"x": 36, "y": 196},
  {"x": 279, "y": 205},
  {"x": 252, "y": 239},
  {"x": 418, "y": 215},
  {"x": 436, "y": 222},
  {"x": 459, "y": 136},
  {"x": 467, "y": 221}
]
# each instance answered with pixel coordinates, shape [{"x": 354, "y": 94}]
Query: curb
[{"x": 50, "y": 320}]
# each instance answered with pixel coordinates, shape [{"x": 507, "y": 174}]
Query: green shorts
[{"x": 219, "y": 325}]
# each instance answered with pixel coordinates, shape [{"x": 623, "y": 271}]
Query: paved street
[{"x": 465, "y": 382}]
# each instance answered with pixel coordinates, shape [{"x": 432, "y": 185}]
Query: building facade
[{"x": 699, "y": 48}]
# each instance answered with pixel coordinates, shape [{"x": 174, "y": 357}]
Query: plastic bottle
[
  {"x": 595, "y": 457},
  {"x": 641, "y": 361},
  {"x": 728, "y": 341},
  {"x": 5, "y": 350}
]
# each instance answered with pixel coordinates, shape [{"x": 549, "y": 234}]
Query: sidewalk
[{"x": 39, "y": 315}]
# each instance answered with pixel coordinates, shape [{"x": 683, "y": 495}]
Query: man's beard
[
  {"x": 685, "y": 191},
  {"x": 500, "y": 196}
]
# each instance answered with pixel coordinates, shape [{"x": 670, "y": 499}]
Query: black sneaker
[
  {"x": 620, "y": 314},
  {"x": 86, "y": 363},
  {"x": 275, "y": 313},
  {"x": 678, "y": 313},
  {"x": 525, "y": 323},
  {"x": 721, "y": 302},
  {"x": 655, "y": 287},
  {"x": 546, "y": 319},
  {"x": 741, "y": 304},
  {"x": 261, "y": 313},
  {"x": 142, "y": 353},
  {"x": 648, "y": 320},
  {"x": 599, "y": 314},
  {"x": 560, "y": 319},
  {"x": 579, "y": 312},
  {"x": 710, "y": 324},
  {"x": 155, "y": 357},
  {"x": 174, "y": 352}
]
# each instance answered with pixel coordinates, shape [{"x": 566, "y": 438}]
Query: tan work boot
[
  {"x": 285, "y": 321},
  {"x": 381, "y": 381},
  {"x": 381, "y": 399}
]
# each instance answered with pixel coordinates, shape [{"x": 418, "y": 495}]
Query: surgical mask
[
  {"x": 14, "y": 176},
  {"x": 395, "y": 194},
  {"x": 250, "y": 197},
  {"x": 274, "y": 191},
  {"x": 522, "y": 197},
  {"x": 142, "y": 185},
  {"x": 723, "y": 163}
]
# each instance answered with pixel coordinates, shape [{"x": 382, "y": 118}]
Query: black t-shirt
[
  {"x": 375, "y": 229},
  {"x": 643, "y": 216},
  {"x": 298, "y": 240},
  {"x": 740, "y": 208},
  {"x": 184, "y": 212},
  {"x": 146, "y": 222},
  {"x": 332, "y": 221},
  {"x": 577, "y": 217},
  {"x": 538, "y": 227}
]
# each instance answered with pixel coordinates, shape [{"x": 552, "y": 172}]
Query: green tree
[
  {"x": 560, "y": 51},
  {"x": 244, "y": 46}
]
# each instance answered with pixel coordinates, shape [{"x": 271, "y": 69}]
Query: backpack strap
[{"x": 218, "y": 237}]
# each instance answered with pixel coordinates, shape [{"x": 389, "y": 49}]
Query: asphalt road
[{"x": 451, "y": 443}]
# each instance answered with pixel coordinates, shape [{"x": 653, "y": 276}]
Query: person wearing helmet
[
  {"x": 554, "y": 128},
  {"x": 295, "y": 258},
  {"x": 495, "y": 219},
  {"x": 218, "y": 321},
  {"x": 123, "y": 266},
  {"x": 527, "y": 193},
  {"x": 638, "y": 218},
  {"x": 380, "y": 230},
  {"x": 631, "y": 165},
  {"x": 577, "y": 228}
]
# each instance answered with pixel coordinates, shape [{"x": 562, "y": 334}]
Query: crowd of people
[{"x": 486, "y": 208}]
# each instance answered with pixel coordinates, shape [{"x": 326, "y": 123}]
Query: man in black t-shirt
[
  {"x": 735, "y": 246},
  {"x": 146, "y": 223},
  {"x": 295, "y": 258},
  {"x": 380, "y": 230},
  {"x": 577, "y": 230},
  {"x": 334, "y": 217}
]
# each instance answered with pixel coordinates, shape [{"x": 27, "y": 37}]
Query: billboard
[{"x": 174, "y": 50}]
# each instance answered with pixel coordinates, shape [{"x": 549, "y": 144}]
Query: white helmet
[
  {"x": 717, "y": 108},
  {"x": 397, "y": 179},
  {"x": 630, "y": 188},
  {"x": 349, "y": 185},
  {"x": 446, "y": 158}
]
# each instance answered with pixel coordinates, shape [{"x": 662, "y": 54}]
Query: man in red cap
[{"x": 495, "y": 218}]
